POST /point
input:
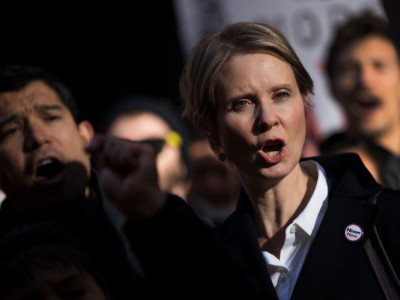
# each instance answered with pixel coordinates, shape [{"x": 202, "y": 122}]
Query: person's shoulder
[
  {"x": 347, "y": 171},
  {"x": 336, "y": 159},
  {"x": 335, "y": 141},
  {"x": 388, "y": 202}
]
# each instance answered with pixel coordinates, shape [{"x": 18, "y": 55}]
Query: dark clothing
[
  {"x": 388, "y": 164},
  {"x": 184, "y": 258},
  {"x": 335, "y": 142},
  {"x": 334, "y": 268},
  {"x": 101, "y": 240}
]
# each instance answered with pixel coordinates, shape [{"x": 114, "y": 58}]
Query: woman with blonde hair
[{"x": 247, "y": 91}]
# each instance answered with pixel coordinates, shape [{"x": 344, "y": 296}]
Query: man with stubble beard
[{"x": 364, "y": 76}]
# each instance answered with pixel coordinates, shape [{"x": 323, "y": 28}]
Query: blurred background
[{"x": 143, "y": 52}]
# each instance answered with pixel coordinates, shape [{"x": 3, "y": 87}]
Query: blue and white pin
[{"x": 353, "y": 232}]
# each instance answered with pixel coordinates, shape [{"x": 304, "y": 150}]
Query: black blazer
[{"x": 334, "y": 267}]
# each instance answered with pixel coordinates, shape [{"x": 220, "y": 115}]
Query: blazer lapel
[
  {"x": 331, "y": 253},
  {"x": 240, "y": 236}
]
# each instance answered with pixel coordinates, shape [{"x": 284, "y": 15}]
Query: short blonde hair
[{"x": 199, "y": 76}]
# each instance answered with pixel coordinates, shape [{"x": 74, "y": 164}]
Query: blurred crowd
[{"x": 69, "y": 227}]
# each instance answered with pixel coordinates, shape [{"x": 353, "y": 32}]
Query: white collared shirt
[{"x": 298, "y": 238}]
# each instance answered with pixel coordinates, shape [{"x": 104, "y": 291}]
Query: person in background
[
  {"x": 45, "y": 261},
  {"x": 214, "y": 184},
  {"x": 314, "y": 135},
  {"x": 156, "y": 121},
  {"x": 47, "y": 175},
  {"x": 363, "y": 68}
]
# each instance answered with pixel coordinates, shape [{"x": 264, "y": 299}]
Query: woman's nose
[{"x": 266, "y": 118}]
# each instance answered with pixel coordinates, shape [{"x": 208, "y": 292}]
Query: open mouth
[
  {"x": 272, "y": 148},
  {"x": 369, "y": 103},
  {"x": 366, "y": 105},
  {"x": 49, "y": 168}
]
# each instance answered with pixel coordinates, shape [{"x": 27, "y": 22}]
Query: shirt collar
[{"x": 310, "y": 218}]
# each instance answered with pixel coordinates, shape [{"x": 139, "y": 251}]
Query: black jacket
[{"x": 101, "y": 240}]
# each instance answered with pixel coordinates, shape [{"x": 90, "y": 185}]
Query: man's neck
[{"x": 390, "y": 141}]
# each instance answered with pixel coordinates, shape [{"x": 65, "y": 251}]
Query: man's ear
[{"x": 86, "y": 131}]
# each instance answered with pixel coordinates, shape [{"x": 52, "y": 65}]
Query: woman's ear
[
  {"x": 209, "y": 131},
  {"x": 86, "y": 131},
  {"x": 197, "y": 124}
]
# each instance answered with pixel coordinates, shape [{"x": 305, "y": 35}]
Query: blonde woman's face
[{"x": 260, "y": 115}]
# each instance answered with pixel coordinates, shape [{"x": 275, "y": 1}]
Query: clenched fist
[{"x": 128, "y": 175}]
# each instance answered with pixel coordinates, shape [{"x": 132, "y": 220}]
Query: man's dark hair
[
  {"x": 355, "y": 29},
  {"x": 16, "y": 77}
]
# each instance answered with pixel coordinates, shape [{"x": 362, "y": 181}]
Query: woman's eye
[
  {"x": 239, "y": 104},
  {"x": 281, "y": 95}
]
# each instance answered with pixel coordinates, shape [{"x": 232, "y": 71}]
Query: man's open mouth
[
  {"x": 49, "y": 168},
  {"x": 364, "y": 105}
]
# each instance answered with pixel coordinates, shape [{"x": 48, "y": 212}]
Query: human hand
[{"x": 128, "y": 175}]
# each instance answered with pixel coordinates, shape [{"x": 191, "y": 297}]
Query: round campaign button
[{"x": 353, "y": 232}]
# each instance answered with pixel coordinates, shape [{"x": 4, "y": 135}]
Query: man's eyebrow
[
  {"x": 48, "y": 107},
  {"x": 39, "y": 107}
]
